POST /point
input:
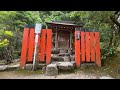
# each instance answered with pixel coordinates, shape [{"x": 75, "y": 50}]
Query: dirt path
[
  {"x": 80, "y": 75},
  {"x": 108, "y": 71}
]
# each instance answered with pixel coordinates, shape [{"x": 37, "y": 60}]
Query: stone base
[
  {"x": 66, "y": 58},
  {"x": 28, "y": 67},
  {"x": 86, "y": 65},
  {"x": 57, "y": 58},
  {"x": 65, "y": 65},
  {"x": 51, "y": 70},
  {"x": 40, "y": 66},
  {"x": 3, "y": 67},
  {"x": 8, "y": 67},
  {"x": 55, "y": 51}
]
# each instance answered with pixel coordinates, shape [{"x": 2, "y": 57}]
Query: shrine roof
[{"x": 64, "y": 23}]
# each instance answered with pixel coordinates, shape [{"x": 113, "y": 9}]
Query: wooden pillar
[
  {"x": 70, "y": 39},
  {"x": 24, "y": 47},
  {"x": 39, "y": 44},
  {"x": 87, "y": 38},
  {"x": 82, "y": 45},
  {"x": 43, "y": 44},
  {"x": 92, "y": 46},
  {"x": 31, "y": 44},
  {"x": 48, "y": 46},
  {"x": 56, "y": 41},
  {"x": 77, "y": 47},
  {"x": 97, "y": 49}
]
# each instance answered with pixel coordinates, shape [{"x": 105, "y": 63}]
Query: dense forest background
[{"x": 12, "y": 24}]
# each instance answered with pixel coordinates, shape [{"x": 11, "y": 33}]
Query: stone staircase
[
  {"x": 62, "y": 55},
  {"x": 61, "y": 60}
]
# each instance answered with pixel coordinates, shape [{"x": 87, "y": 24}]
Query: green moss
[
  {"x": 2, "y": 61},
  {"x": 118, "y": 49},
  {"x": 28, "y": 72}
]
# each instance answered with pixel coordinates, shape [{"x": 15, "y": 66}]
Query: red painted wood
[
  {"x": 42, "y": 45},
  {"x": 97, "y": 49},
  {"x": 31, "y": 44},
  {"x": 48, "y": 46},
  {"x": 77, "y": 50},
  {"x": 82, "y": 46},
  {"x": 39, "y": 44},
  {"x": 24, "y": 48},
  {"x": 92, "y": 46},
  {"x": 87, "y": 47}
]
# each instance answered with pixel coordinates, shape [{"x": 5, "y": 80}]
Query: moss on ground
[
  {"x": 110, "y": 66},
  {"x": 25, "y": 72},
  {"x": 28, "y": 72}
]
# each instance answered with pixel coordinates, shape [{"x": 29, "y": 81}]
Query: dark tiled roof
[{"x": 68, "y": 23}]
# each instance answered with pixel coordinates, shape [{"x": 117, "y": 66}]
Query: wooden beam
[
  {"x": 56, "y": 41},
  {"x": 70, "y": 39}
]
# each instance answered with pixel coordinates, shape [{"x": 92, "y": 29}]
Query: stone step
[
  {"x": 67, "y": 58},
  {"x": 65, "y": 65},
  {"x": 55, "y": 51},
  {"x": 53, "y": 68},
  {"x": 63, "y": 51},
  {"x": 61, "y": 58},
  {"x": 30, "y": 66},
  {"x": 64, "y": 54},
  {"x": 57, "y": 58}
]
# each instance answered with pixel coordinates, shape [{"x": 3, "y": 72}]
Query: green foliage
[
  {"x": 4, "y": 35},
  {"x": 26, "y": 17},
  {"x": 110, "y": 51},
  {"x": 12, "y": 23},
  {"x": 11, "y": 28},
  {"x": 99, "y": 20},
  {"x": 4, "y": 43}
]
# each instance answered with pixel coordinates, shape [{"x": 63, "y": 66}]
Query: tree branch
[{"x": 114, "y": 20}]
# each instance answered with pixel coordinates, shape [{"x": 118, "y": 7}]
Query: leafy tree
[{"x": 12, "y": 24}]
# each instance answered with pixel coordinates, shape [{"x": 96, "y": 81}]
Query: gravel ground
[
  {"x": 12, "y": 75},
  {"x": 78, "y": 75}
]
